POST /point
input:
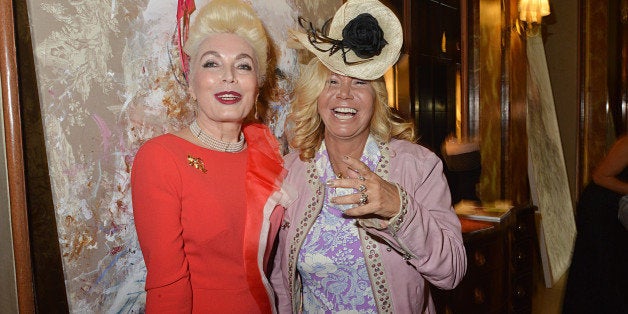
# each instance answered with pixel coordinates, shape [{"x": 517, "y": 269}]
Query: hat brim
[{"x": 350, "y": 64}]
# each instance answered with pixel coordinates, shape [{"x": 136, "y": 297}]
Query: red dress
[{"x": 200, "y": 221}]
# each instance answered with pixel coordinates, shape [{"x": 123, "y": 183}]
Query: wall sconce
[{"x": 531, "y": 13}]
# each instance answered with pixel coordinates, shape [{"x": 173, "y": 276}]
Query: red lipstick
[{"x": 228, "y": 97}]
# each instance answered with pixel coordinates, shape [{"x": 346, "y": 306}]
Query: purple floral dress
[{"x": 331, "y": 262}]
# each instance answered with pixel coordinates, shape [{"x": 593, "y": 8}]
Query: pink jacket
[{"x": 422, "y": 245}]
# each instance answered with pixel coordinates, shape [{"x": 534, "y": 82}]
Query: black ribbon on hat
[{"x": 362, "y": 35}]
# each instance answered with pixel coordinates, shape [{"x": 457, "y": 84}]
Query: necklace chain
[
  {"x": 214, "y": 143},
  {"x": 337, "y": 174}
]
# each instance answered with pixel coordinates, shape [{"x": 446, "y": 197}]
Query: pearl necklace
[{"x": 214, "y": 143}]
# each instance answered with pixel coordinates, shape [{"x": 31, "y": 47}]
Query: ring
[
  {"x": 361, "y": 178},
  {"x": 364, "y": 199},
  {"x": 362, "y": 188}
]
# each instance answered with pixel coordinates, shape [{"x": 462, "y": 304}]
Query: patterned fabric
[
  {"x": 429, "y": 235},
  {"x": 331, "y": 261}
]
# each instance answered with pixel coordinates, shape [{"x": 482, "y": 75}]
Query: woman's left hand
[{"x": 374, "y": 195}]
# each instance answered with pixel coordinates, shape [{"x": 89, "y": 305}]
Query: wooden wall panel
[
  {"x": 47, "y": 267},
  {"x": 516, "y": 187},
  {"x": 490, "y": 128},
  {"x": 594, "y": 90},
  {"x": 500, "y": 69},
  {"x": 15, "y": 161}
]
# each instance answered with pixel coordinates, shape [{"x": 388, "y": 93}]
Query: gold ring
[{"x": 361, "y": 178}]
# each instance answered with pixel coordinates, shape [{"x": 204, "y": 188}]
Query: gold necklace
[
  {"x": 214, "y": 143},
  {"x": 337, "y": 174}
]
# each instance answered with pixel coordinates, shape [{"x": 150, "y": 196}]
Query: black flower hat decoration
[{"x": 363, "y": 40}]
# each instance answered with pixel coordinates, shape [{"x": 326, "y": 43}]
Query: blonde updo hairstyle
[
  {"x": 306, "y": 128},
  {"x": 233, "y": 17}
]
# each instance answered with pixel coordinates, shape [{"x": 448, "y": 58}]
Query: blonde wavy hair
[{"x": 305, "y": 127}]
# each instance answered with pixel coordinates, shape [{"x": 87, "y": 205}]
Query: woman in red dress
[{"x": 204, "y": 197}]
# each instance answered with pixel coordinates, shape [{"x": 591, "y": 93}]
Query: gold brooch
[{"x": 197, "y": 163}]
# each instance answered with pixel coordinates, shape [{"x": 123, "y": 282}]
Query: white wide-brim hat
[{"x": 354, "y": 44}]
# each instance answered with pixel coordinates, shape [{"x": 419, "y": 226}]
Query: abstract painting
[{"x": 109, "y": 79}]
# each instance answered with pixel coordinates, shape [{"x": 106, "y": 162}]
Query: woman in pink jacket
[{"x": 372, "y": 225}]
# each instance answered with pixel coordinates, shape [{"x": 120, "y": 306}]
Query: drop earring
[
  {"x": 194, "y": 104},
  {"x": 255, "y": 106}
]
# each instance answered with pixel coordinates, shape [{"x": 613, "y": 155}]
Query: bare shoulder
[
  {"x": 622, "y": 142},
  {"x": 615, "y": 161},
  {"x": 620, "y": 148}
]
